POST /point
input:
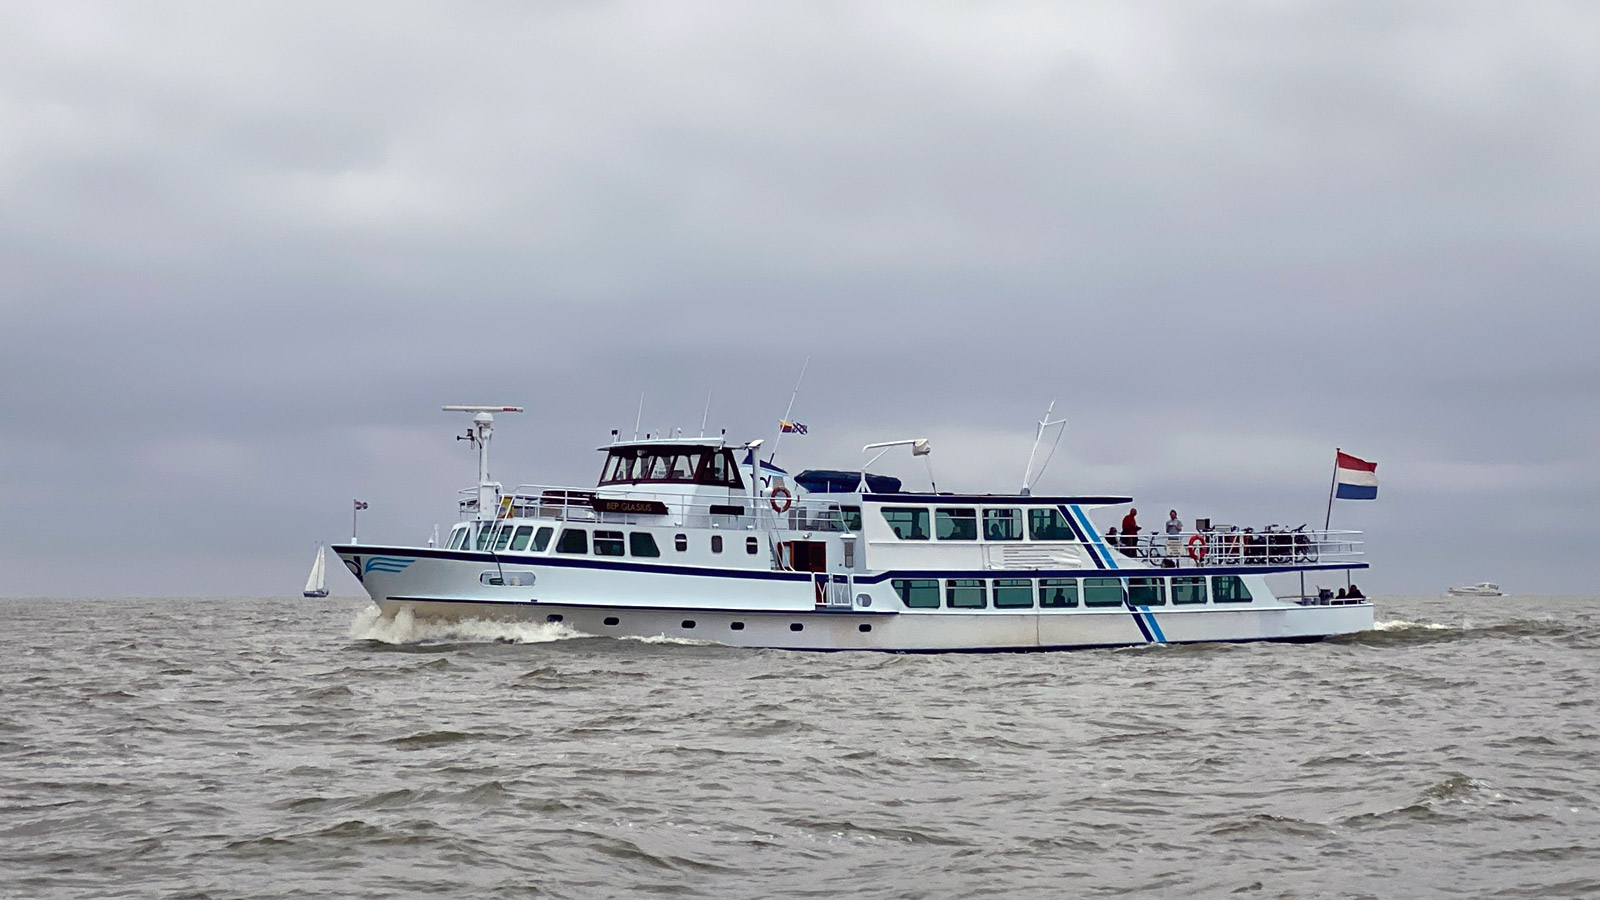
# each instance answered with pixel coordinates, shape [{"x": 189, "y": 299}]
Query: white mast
[
  {"x": 482, "y": 429},
  {"x": 1038, "y": 436}
]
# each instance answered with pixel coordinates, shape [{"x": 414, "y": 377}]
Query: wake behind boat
[{"x": 696, "y": 538}]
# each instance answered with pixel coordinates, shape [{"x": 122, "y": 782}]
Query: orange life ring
[
  {"x": 780, "y": 500},
  {"x": 1197, "y": 555}
]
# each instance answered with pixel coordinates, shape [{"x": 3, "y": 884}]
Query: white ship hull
[{"x": 779, "y": 610}]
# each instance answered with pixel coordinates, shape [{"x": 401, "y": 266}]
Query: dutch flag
[{"x": 1356, "y": 478}]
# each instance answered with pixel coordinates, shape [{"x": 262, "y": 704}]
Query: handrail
[
  {"x": 564, "y": 503},
  {"x": 1231, "y": 546}
]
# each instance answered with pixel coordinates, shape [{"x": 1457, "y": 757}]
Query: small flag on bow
[{"x": 361, "y": 504}]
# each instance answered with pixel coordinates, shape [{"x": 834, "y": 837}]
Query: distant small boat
[
  {"x": 317, "y": 581},
  {"x": 1482, "y": 589}
]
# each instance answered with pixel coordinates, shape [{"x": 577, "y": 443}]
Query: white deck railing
[
  {"x": 1233, "y": 546},
  {"x": 815, "y": 512}
]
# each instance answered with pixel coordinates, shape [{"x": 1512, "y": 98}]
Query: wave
[{"x": 370, "y": 624}]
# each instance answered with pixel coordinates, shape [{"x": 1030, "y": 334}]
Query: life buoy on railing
[
  {"x": 1197, "y": 547},
  {"x": 781, "y": 500}
]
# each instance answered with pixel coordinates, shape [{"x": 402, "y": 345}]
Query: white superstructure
[{"x": 697, "y": 538}]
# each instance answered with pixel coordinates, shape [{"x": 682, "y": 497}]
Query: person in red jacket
[{"x": 1130, "y": 531}]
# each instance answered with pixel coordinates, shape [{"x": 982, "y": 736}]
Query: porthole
[
  {"x": 554, "y": 617},
  {"x": 612, "y": 620},
  {"x": 751, "y": 545},
  {"x": 716, "y": 543},
  {"x": 681, "y": 542},
  {"x": 796, "y": 626},
  {"x": 736, "y": 626},
  {"x": 863, "y": 600},
  {"x": 863, "y": 628},
  {"x": 687, "y": 623}
]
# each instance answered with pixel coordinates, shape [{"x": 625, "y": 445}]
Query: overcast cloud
[{"x": 247, "y": 250}]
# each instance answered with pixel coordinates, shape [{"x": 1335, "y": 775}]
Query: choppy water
[{"x": 276, "y": 748}]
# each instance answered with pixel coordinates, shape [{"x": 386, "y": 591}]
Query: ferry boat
[
  {"x": 1481, "y": 589},
  {"x": 701, "y": 539}
]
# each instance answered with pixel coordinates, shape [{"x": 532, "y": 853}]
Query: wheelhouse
[{"x": 671, "y": 462}]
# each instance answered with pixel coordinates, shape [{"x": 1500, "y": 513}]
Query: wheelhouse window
[
  {"x": 520, "y": 541},
  {"x": 608, "y": 543},
  {"x": 485, "y": 531},
  {"x": 1002, "y": 524},
  {"x": 917, "y": 593},
  {"x": 669, "y": 464},
  {"x": 1013, "y": 593},
  {"x": 1102, "y": 592},
  {"x": 966, "y": 593},
  {"x": 1229, "y": 589},
  {"x": 1048, "y": 524},
  {"x": 1188, "y": 589},
  {"x": 1147, "y": 591},
  {"x": 573, "y": 540},
  {"x": 541, "y": 540},
  {"x": 503, "y": 538},
  {"x": 458, "y": 537},
  {"x": 956, "y": 524},
  {"x": 642, "y": 543},
  {"x": 908, "y": 523},
  {"x": 1058, "y": 593}
]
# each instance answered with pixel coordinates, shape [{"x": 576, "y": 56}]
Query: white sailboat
[{"x": 317, "y": 581}]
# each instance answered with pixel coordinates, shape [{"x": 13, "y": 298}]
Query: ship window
[
  {"x": 966, "y": 593},
  {"x": 1002, "y": 524},
  {"x": 1189, "y": 589},
  {"x": 956, "y": 524},
  {"x": 1013, "y": 593},
  {"x": 520, "y": 542},
  {"x": 612, "y": 620},
  {"x": 642, "y": 543},
  {"x": 542, "y": 539},
  {"x": 573, "y": 540},
  {"x": 681, "y": 543},
  {"x": 484, "y": 529},
  {"x": 684, "y": 466},
  {"x": 1058, "y": 593},
  {"x": 503, "y": 538},
  {"x": 752, "y": 546},
  {"x": 716, "y": 543},
  {"x": 1147, "y": 591},
  {"x": 1229, "y": 589},
  {"x": 687, "y": 623},
  {"x": 736, "y": 626},
  {"x": 851, "y": 516},
  {"x": 458, "y": 537},
  {"x": 608, "y": 543},
  {"x": 908, "y": 523},
  {"x": 1102, "y": 592},
  {"x": 917, "y": 593},
  {"x": 1047, "y": 524}
]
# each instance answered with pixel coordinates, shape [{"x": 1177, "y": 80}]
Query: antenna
[
  {"x": 707, "y": 416},
  {"x": 638, "y": 418},
  {"x": 1037, "y": 437},
  {"x": 797, "y": 381},
  {"x": 478, "y": 434}
]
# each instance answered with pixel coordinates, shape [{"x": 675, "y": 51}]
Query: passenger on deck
[
  {"x": 1174, "y": 538},
  {"x": 1355, "y": 593},
  {"x": 1340, "y": 595},
  {"x": 1130, "y": 531}
]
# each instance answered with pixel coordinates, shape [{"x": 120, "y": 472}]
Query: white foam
[
  {"x": 1403, "y": 625},
  {"x": 370, "y": 624},
  {"x": 663, "y": 639}
]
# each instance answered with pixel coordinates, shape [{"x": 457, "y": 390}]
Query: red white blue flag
[
  {"x": 791, "y": 427},
  {"x": 1356, "y": 478}
]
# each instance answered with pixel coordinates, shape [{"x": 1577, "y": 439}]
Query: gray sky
[{"x": 247, "y": 250}]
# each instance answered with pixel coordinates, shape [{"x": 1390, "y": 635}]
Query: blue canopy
[{"x": 835, "y": 481}]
